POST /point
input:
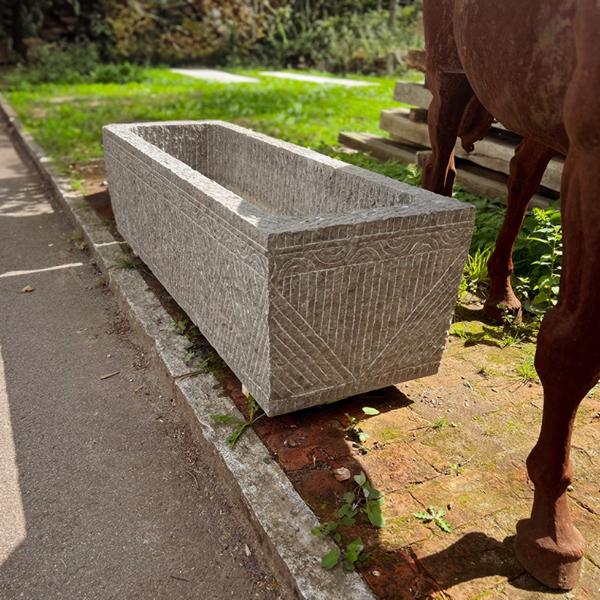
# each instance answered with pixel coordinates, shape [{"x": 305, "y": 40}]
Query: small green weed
[
  {"x": 510, "y": 333},
  {"x": 440, "y": 423},
  {"x": 77, "y": 239},
  {"x": 241, "y": 425},
  {"x": 475, "y": 275},
  {"x": 355, "y": 433},
  {"x": 364, "y": 499},
  {"x": 433, "y": 515},
  {"x": 514, "y": 332},
  {"x": 123, "y": 262},
  {"x": 526, "y": 370}
]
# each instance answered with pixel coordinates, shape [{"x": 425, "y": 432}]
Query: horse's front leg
[
  {"x": 568, "y": 363},
  {"x": 526, "y": 171},
  {"x": 568, "y": 357}
]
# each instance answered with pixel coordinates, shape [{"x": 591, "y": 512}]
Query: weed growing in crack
[
  {"x": 123, "y": 262},
  {"x": 241, "y": 425},
  {"x": 436, "y": 516},
  {"x": 77, "y": 239},
  {"x": 363, "y": 500}
]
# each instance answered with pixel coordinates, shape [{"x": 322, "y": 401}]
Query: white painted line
[
  {"x": 33, "y": 271},
  {"x": 317, "y": 79},
  {"x": 214, "y": 75}
]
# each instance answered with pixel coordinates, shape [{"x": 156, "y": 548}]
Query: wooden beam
[
  {"x": 491, "y": 153},
  {"x": 471, "y": 178}
]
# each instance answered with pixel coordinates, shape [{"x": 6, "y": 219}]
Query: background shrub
[
  {"x": 70, "y": 63},
  {"x": 337, "y": 35}
]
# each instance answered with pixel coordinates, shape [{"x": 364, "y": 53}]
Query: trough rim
[{"x": 421, "y": 203}]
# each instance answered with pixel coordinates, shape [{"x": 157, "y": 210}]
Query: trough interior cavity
[{"x": 270, "y": 175}]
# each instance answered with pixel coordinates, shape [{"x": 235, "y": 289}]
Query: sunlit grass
[{"x": 67, "y": 119}]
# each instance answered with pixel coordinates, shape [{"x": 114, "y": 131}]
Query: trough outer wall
[
  {"x": 216, "y": 273},
  {"x": 304, "y": 315},
  {"x": 361, "y": 306}
]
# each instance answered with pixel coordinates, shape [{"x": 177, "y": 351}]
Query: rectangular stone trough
[{"x": 314, "y": 280}]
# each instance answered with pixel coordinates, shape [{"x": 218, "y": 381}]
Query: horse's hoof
[
  {"x": 497, "y": 311},
  {"x": 556, "y": 566}
]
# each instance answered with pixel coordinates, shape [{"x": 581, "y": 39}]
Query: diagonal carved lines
[
  {"x": 359, "y": 310},
  {"x": 301, "y": 358},
  {"x": 204, "y": 268},
  {"x": 411, "y": 338}
]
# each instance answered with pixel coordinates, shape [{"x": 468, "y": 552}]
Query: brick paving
[{"x": 456, "y": 441}]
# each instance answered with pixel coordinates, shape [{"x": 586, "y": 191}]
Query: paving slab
[
  {"x": 215, "y": 75},
  {"x": 318, "y": 79}
]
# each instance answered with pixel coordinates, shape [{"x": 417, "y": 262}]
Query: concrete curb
[{"x": 256, "y": 484}]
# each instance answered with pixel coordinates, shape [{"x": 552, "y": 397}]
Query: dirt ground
[{"x": 456, "y": 441}]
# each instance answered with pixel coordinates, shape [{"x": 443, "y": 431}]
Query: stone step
[
  {"x": 215, "y": 75},
  {"x": 415, "y": 94},
  {"x": 318, "y": 79}
]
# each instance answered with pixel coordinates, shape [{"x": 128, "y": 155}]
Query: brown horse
[{"x": 536, "y": 67}]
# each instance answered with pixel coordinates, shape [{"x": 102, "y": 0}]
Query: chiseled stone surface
[{"x": 314, "y": 279}]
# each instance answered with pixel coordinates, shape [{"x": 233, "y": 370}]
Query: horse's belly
[{"x": 519, "y": 57}]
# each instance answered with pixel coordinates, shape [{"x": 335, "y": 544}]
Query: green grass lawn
[{"x": 67, "y": 119}]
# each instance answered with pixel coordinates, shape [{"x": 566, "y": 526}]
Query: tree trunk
[{"x": 393, "y": 9}]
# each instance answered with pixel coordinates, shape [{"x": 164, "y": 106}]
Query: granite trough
[{"x": 314, "y": 280}]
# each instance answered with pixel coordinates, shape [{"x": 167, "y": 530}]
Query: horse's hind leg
[
  {"x": 526, "y": 171},
  {"x": 451, "y": 95},
  {"x": 568, "y": 357}
]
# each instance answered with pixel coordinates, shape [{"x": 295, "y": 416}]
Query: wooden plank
[
  {"x": 471, "y": 178},
  {"x": 491, "y": 153},
  {"x": 381, "y": 148},
  {"x": 418, "y": 114}
]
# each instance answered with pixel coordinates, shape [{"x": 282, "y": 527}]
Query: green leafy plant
[
  {"x": 365, "y": 500},
  {"x": 547, "y": 268},
  {"x": 354, "y": 431},
  {"x": 475, "y": 275},
  {"x": 436, "y": 516},
  {"x": 240, "y": 425}
]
